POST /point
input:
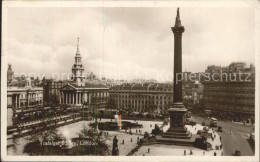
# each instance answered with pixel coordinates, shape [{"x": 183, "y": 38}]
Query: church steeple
[
  {"x": 78, "y": 52},
  {"x": 78, "y": 57},
  {"x": 78, "y": 68}
]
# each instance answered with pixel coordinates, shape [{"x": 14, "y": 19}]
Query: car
[
  {"x": 237, "y": 153},
  {"x": 193, "y": 122},
  {"x": 220, "y": 129}
]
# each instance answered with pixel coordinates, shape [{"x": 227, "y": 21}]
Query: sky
[{"x": 127, "y": 43}]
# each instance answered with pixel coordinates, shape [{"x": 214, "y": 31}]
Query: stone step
[
  {"x": 178, "y": 137},
  {"x": 177, "y": 130},
  {"x": 177, "y": 133},
  {"x": 176, "y": 141}
]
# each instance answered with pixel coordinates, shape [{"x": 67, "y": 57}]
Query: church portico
[
  {"x": 83, "y": 95},
  {"x": 80, "y": 93}
]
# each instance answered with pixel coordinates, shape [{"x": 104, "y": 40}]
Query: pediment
[{"x": 68, "y": 87}]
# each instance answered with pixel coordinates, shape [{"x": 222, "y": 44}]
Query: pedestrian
[
  {"x": 191, "y": 152},
  {"x": 220, "y": 146},
  {"x": 139, "y": 131},
  {"x": 123, "y": 142},
  {"x": 136, "y": 130},
  {"x": 184, "y": 152},
  {"x": 138, "y": 138},
  {"x": 148, "y": 150},
  {"x": 215, "y": 154}
]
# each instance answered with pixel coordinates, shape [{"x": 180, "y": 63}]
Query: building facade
[
  {"x": 78, "y": 92},
  {"x": 234, "y": 97},
  {"x": 151, "y": 98},
  {"x": 19, "y": 99},
  {"x": 52, "y": 87}
]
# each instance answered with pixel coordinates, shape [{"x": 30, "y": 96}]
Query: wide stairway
[{"x": 177, "y": 135}]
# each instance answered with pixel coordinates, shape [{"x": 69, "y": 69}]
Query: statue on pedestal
[{"x": 115, "y": 151}]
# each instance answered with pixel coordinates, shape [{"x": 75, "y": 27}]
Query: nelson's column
[{"x": 177, "y": 133}]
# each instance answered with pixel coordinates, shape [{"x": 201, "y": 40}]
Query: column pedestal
[{"x": 177, "y": 133}]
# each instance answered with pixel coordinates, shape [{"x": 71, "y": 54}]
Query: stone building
[
  {"x": 78, "y": 92},
  {"x": 20, "y": 99},
  {"x": 232, "y": 97},
  {"x": 52, "y": 87},
  {"x": 151, "y": 98}
]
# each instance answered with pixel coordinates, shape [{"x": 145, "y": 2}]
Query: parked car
[
  {"x": 220, "y": 129},
  {"x": 237, "y": 153}
]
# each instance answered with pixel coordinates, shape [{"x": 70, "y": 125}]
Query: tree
[
  {"x": 54, "y": 100},
  {"x": 111, "y": 103},
  {"x": 91, "y": 142},
  {"x": 42, "y": 139}
]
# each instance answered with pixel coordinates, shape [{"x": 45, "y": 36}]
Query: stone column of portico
[
  {"x": 60, "y": 98},
  {"x": 19, "y": 100},
  {"x": 15, "y": 100},
  {"x": 89, "y": 97},
  {"x": 28, "y": 99},
  {"x": 66, "y": 94},
  {"x": 62, "y": 95},
  {"x": 64, "y": 98},
  {"x": 73, "y": 95},
  {"x": 80, "y": 101},
  {"x": 80, "y": 97},
  {"x": 70, "y": 97},
  {"x": 77, "y": 98}
]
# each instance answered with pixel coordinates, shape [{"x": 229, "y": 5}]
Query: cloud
[{"x": 134, "y": 42}]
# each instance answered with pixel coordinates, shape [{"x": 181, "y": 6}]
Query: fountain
[{"x": 117, "y": 124}]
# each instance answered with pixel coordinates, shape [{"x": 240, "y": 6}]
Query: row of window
[
  {"x": 146, "y": 102},
  {"x": 141, "y": 97}
]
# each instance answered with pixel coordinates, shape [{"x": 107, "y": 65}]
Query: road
[{"x": 237, "y": 139}]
